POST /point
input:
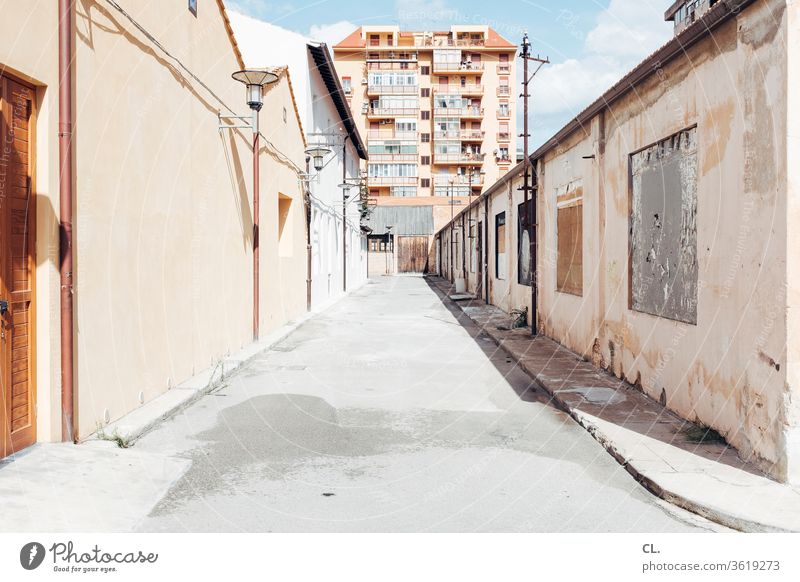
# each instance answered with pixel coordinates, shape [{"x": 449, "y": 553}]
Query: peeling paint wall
[
  {"x": 712, "y": 344},
  {"x": 725, "y": 350},
  {"x": 664, "y": 228}
]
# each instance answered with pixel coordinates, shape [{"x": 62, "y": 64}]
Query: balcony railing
[
  {"x": 396, "y": 65},
  {"x": 503, "y": 68},
  {"x": 504, "y": 113},
  {"x": 460, "y": 134},
  {"x": 391, "y": 111},
  {"x": 444, "y": 42},
  {"x": 392, "y": 134},
  {"x": 453, "y": 67},
  {"x": 503, "y": 136},
  {"x": 392, "y": 157},
  {"x": 458, "y": 179},
  {"x": 392, "y": 180},
  {"x": 392, "y": 89},
  {"x": 503, "y": 159},
  {"x": 468, "y": 89},
  {"x": 461, "y": 158},
  {"x": 503, "y": 90},
  {"x": 458, "y": 111}
]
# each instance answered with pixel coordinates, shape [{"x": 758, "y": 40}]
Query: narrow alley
[{"x": 360, "y": 421}]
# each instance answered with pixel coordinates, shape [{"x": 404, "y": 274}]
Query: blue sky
[{"x": 591, "y": 43}]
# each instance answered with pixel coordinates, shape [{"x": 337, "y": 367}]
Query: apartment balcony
[
  {"x": 392, "y": 157},
  {"x": 467, "y": 42},
  {"x": 390, "y": 112},
  {"x": 392, "y": 89},
  {"x": 474, "y": 112},
  {"x": 503, "y": 91},
  {"x": 504, "y": 68},
  {"x": 392, "y": 134},
  {"x": 503, "y": 136},
  {"x": 392, "y": 65},
  {"x": 462, "y": 158},
  {"x": 453, "y": 67},
  {"x": 458, "y": 180},
  {"x": 460, "y": 134},
  {"x": 392, "y": 180},
  {"x": 456, "y": 89},
  {"x": 504, "y": 113},
  {"x": 503, "y": 159}
]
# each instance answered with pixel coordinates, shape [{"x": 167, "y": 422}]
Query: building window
[
  {"x": 426, "y": 160},
  {"x": 425, "y": 92},
  {"x": 425, "y": 137},
  {"x": 285, "y": 242},
  {"x": 404, "y": 191},
  {"x": 500, "y": 246},
  {"x": 347, "y": 85},
  {"x": 374, "y": 40},
  {"x": 569, "y": 234},
  {"x": 504, "y": 111},
  {"x": 502, "y": 155},
  {"x": 193, "y": 7},
  {"x": 663, "y": 228},
  {"x": 425, "y": 70},
  {"x": 426, "y": 182},
  {"x": 426, "y": 115}
]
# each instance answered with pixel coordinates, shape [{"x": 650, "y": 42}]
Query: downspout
[
  {"x": 344, "y": 215},
  {"x": 486, "y": 246},
  {"x": 67, "y": 281},
  {"x": 307, "y": 195},
  {"x": 256, "y": 204}
]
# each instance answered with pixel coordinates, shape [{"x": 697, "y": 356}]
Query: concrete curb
[
  {"x": 701, "y": 492},
  {"x": 137, "y": 423}
]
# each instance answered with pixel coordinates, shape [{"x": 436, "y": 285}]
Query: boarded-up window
[
  {"x": 663, "y": 233},
  {"x": 569, "y": 225},
  {"x": 523, "y": 240},
  {"x": 500, "y": 266}
]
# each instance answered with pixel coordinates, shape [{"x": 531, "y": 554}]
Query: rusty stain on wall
[{"x": 663, "y": 232}]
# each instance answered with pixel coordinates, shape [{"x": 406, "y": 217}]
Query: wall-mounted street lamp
[
  {"x": 318, "y": 153},
  {"x": 254, "y": 81}
]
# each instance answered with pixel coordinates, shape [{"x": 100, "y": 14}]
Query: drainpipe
[
  {"x": 307, "y": 194},
  {"x": 344, "y": 215},
  {"x": 486, "y": 246},
  {"x": 256, "y": 200},
  {"x": 67, "y": 281}
]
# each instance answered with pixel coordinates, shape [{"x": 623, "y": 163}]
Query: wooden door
[
  {"x": 412, "y": 254},
  {"x": 17, "y": 266}
]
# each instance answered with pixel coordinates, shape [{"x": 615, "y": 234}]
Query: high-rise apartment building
[{"x": 438, "y": 112}]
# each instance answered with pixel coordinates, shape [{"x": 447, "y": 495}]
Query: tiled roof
[{"x": 354, "y": 40}]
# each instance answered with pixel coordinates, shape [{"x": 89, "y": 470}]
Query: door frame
[{"x": 10, "y": 444}]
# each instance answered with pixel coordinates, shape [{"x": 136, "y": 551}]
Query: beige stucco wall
[
  {"x": 791, "y": 397},
  {"x": 163, "y": 204},
  {"x": 725, "y": 371},
  {"x": 730, "y": 370}
]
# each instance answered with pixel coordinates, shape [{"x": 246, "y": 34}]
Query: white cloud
[
  {"x": 331, "y": 34},
  {"x": 624, "y": 34}
]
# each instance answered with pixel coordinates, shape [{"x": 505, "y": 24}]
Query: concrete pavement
[
  {"x": 660, "y": 449},
  {"x": 384, "y": 413}
]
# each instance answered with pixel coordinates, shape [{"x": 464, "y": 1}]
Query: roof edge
[{"x": 322, "y": 57}]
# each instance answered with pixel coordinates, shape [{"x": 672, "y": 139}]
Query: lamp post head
[
  {"x": 254, "y": 80},
  {"x": 318, "y": 153}
]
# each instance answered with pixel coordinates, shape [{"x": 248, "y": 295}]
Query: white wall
[{"x": 264, "y": 44}]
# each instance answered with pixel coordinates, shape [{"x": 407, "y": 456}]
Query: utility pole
[{"x": 527, "y": 188}]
